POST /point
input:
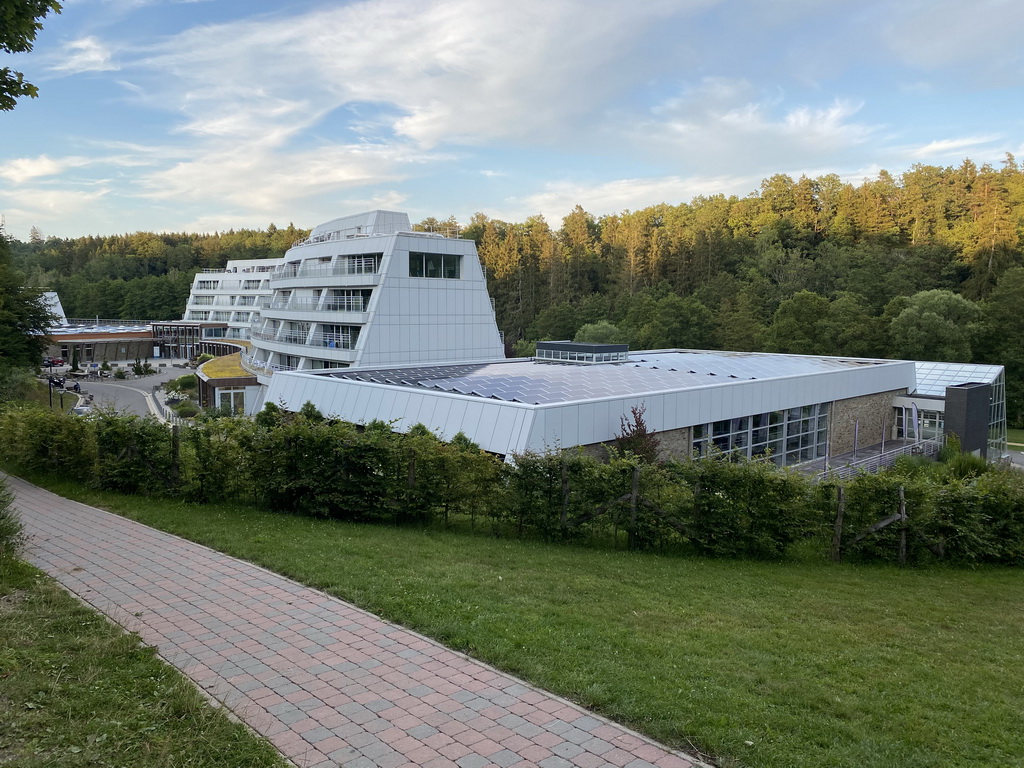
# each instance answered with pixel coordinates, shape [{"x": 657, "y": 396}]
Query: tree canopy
[
  {"x": 24, "y": 317},
  {"x": 19, "y": 23}
]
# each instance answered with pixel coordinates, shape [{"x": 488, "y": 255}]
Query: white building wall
[
  {"x": 409, "y": 320},
  {"x": 505, "y": 427}
]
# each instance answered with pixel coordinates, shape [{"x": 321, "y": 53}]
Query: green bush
[
  {"x": 187, "y": 383},
  {"x": 746, "y": 508},
  {"x": 136, "y": 455},
  {"x": 12, "y": 534},
  {"x": 44, "y": 440},
  {"x": 186, "y": 409}
]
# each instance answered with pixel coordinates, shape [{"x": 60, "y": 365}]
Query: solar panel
[{"x": 549, "y": 382}]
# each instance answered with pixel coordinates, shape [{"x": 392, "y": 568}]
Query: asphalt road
[{"x": 131, "y": 396}]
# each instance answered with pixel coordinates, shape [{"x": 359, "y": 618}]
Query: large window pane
[
  {"x": 432, "y": 264},
  {"x": 452, "y": 266}
]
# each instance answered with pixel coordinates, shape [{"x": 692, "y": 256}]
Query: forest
[{"x": 925, "y": 265}]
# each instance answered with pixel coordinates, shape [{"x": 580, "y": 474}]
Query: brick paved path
[{"x": 327, "y": 683}]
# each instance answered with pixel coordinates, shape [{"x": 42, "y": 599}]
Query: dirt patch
[{"x": 9, "y": 601}]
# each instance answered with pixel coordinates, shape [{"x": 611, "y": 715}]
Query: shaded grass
[
  {"x": 77, "y": 691},
  {"x": 762, "y": 664},
  {"x": 1015, "y": 437}
]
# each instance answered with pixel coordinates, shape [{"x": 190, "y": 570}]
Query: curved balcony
[
  {"x": 339, "y": 347},
  {"x": 261, "y": 368},
  {"x": 339, "y": 279},
  {"x": 351, "y": 310}
]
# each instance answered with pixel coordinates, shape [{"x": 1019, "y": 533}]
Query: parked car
[{"x": 48, "y": 361}]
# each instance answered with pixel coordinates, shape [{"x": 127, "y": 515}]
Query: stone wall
[
  {"x": 872, "y": 410},
  {"x": 673, "y": 444}
]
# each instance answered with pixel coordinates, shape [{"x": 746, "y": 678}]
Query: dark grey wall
[{"x": 967, "y": 416}]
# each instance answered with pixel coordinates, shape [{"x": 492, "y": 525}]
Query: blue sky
[{"x": 206, "y": 115}]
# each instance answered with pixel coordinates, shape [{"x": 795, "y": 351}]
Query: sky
[{"x": 209, "y": 115}]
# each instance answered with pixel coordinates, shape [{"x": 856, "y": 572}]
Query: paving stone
[{"x": 326, "y": 683}]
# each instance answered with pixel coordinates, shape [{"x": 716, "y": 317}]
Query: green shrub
[
  {"x": 186, "y": 409},
  {"x": 136, "y": 455},
  {"x": 44, "y": 440},
  {"x": 187, "y": 383},
  {"x": 746, "y": 508},
  {"x": 12, "y": 534}
]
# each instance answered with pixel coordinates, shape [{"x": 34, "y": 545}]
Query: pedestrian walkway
[{"x": 328, "y": 684}]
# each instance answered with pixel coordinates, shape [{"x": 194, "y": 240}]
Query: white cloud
[
  {"x": 728, "y": 125},
  {"x": 557, "y": 199},
  {"x": 948, "y": 147},
  {"x": 85, "y": 55},
  {"x": 451, "y": 71},
  {"x": 936, "y": 34},
  {"x": 23, "y": 169},
  {"x": 40, "y": 207},
  {"x": 264, "y": 180}
]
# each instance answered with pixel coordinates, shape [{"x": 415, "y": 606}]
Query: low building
[
  {"x": 91, "y": 343},
  {"x": 797, "y": 409}
]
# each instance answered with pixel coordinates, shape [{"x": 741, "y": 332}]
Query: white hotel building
[{"x": 369, "y": 320}]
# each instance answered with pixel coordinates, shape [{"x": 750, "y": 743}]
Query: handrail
[
  {"x": 329, "y": 304},
  {"x": 328, "y": 340},
  {"x": 881, "y": 460},
  {"x": 257, "y": 367},
  {"x": 347, "y": 267}
]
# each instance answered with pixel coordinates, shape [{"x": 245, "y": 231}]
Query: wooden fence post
[
  {"x": 837, "y": 531},
  {"x": 903, "y": 528},
  {"x": 565, "y": 495},
  {"x": 634, "y": 492}
]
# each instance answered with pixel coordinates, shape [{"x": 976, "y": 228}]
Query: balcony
[
  {"x": 261, "y": 368},
  {"x": 322, "y": 340},
  {"x": 364, "y": 266},
  {"x": 327, "y": 304}
]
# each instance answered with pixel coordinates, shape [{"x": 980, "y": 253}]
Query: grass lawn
[
  {"x": 759, "y": 664},
  {"x": 77, "y": 691},
  {"x": 1015, "y": 437}
]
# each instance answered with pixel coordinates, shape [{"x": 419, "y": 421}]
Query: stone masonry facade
[{"x": 876, "y": 416}]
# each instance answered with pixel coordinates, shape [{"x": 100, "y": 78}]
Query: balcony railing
[
  {"x": 253, "y": 365},
  {"x": 879, "y": 461},
  {"x": 327, "y": 270},
  {"x": 328, "y": 304},
  {"x": 328, "y": 340}
]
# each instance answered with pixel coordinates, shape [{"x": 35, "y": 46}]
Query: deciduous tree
[{"x": 19, "y": 23}]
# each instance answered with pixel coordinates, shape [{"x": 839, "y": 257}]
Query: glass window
[
  {"x": 434, "y": 265},
  {"x": 452, "y": 266},
  {"x": 416, "y": 265}
]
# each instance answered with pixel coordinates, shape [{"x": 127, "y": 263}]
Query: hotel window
[
  {"x": 360, "y": 264},
  {"x": 207, "y": 285},
  {"x": 251, "y": 285},
  {"x": 446, "y": 265},
  {"x": 792, "y": 437},
  {"x": 202, "y": 301},
  {"x": 231, "y": 399}
]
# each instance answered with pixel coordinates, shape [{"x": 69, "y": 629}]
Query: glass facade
[
  {"x": 997, "y": 447},
  {"x": 790, "y": 437},
  {"x": 929, "y": 427}
]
